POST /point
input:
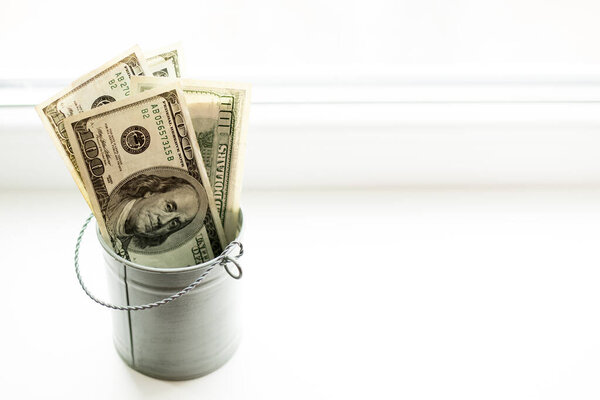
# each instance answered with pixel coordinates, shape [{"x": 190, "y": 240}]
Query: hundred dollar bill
[
  {"x": 165, "y": 62},
  {"x": 146, "y": 181},
  {"x": 219, "y": 115},
  {"x": 108, "y": 83}
]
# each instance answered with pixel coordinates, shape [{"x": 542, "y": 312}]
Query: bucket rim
[{"x": 108, "y": 249}]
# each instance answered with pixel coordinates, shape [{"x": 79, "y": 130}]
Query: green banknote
[
  {"x": 106, "y": 84},
  {"x": 146, "y": 181},
  {"x": 165, "y": 62},
  {"x": 219, "y": 116}
]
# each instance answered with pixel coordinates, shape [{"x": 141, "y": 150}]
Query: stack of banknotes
[{"x": 158, "y": 158}]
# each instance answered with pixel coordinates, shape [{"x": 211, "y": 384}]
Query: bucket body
[{"x": 184, "y": 339}]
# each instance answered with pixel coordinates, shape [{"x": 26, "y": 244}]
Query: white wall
[
  {"x": 279, "y": 40},
  {"x": 346, "y": 93}
]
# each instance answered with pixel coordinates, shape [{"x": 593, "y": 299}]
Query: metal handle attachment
[{"x": 223, "y": 260}]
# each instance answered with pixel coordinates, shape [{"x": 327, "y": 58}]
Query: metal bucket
[{"x": 183, "y": 339}]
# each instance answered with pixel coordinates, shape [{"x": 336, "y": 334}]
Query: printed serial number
[
  {"x": 118, "y": 82},
  {"x": 162, "y": 131}
]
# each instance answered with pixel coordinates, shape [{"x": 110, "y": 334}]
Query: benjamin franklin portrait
[{"x": 149, "y": 208}]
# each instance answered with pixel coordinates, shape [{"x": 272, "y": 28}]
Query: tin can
[{"x": 184, "y": 339}]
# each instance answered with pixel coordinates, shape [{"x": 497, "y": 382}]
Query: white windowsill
[{"x": 348, "y": 294}]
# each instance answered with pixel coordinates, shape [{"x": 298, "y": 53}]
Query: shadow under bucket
[{"x": 186, "y": 338}]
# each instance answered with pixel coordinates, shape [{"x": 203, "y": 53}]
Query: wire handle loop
[{"x": 224, "y": 259}]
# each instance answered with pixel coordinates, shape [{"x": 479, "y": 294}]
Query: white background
[
  {"x": 307, "y": 60},
  {"x": 422, "y": 197},
  {"x": 289, "y": 40}
]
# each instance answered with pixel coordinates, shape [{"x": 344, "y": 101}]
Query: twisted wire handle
[{"x": 223, "y": 259}]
